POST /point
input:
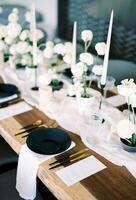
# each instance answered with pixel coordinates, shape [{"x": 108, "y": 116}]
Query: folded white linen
[
  {"x": 28, "y": 165},
  {"x": 13, "y": 110},
  {"x": 14, "y": 96},
  {"x": 116, "y": 100}
]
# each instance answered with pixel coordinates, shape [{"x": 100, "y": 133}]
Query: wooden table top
[{"x": 114, "y": 182}]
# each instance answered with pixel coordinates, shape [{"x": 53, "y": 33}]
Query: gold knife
[
  {"x": 8, "y": 103},
  {"x": 85, "y": 155},
  {"x": 70, "y": 156}
]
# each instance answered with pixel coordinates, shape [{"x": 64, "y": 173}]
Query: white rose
[
  {"x": 67, "y": 59},
  {"x": 39, "y": 34},
  {"x": 59, "y": 49},
  {"x": 86, "y": 35},
  {"x": 23, "y": 47},
  {"x": 78, "y": 69},
  {"x": 12, "y": 49},
  {"x": 52, "y": 74},
  {"x": 100, "y": 47},
  {"x": 27, "y": 60},
  {"x": 86, "y": 58},
  {"x": 127, "y": 88},
  {"x": 28, "y": 16},
  {"x": 125, "y": 128},
  {"x": 24, "y": 35},
  {"x": 40, "y": 58},
  {"x": 71, "y": 90},
  {"x": 15, "y": 10},
  {"x": 2, "y": 45},
  {"x": 132, "y": 100},
  {"x": 13, "y": 17},
  {"x": 44, "y": 79},
  {"x": 3, "y": 31},
  {"x": 97, "y": 69},
  {"x": 48, "y": 52},
  {"x": 49, "y": 44},
  {"x": 68, "y": 47},
  {"x": 8, "y": 40},
  {"x": 13, "y": 30}
]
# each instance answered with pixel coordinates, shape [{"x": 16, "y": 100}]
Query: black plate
[
  {"x": 7, "y": 90},
  {"x": 48, "y": 141}
]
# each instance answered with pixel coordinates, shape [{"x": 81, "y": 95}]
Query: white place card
[
  {"x": 80, "y": 170},
  {"x": 116, "y": 100},
  {"x": 13, "y": 110}
]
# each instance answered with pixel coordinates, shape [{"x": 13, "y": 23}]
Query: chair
[
  {"x": 8, "y": 158},
  {"x": 94, "y": 15}
]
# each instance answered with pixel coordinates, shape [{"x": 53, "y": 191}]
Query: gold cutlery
[
  {"x": 46, "y": 125},
  {"x": 82, "y": 156},
  {"x": 12, "y": 102},
  {"x": 35, "y": 123},
  {"x": 52, "y": 125},
  {"x": 69, "y": 156}
]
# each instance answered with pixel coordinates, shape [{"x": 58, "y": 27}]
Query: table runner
[{"x": 64, "y": 110}]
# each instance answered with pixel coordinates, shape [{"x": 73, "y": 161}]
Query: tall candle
[
  {"x": 106, "y": 57},
  {"x": 33, "y": 32},
  {"x": 74, "y": 44}
]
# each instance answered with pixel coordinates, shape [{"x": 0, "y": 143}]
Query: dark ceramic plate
[
  {"x": 7, "y": 90},
  {"x": 48, "y": 141}
]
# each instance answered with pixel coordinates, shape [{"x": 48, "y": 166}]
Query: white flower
[
  {"x": 3, "y": 31},
  {"x": 132, "y": 100},
  {"x": 59, "y": 49},
  {"x": 125, "y": 128},
  {"x": 26, "y": 60},
  {"x": 100, "y": 47},
  {"x": 78, "y": 69},
  {"x": 23, "y": 47},
  {"x": 15, "y": 10},
  {"x": 86, "y": 58},
  {"x": 71, "y": 90},
  {"x": 12, "y": 49},
  {"x": 44, "y": 79},
  {"x": 48, "y": 52},
  {"x": 24, "y": 35},
  {"x": 49, "y": 44},
  {"x": 8, "y": 40},
  {"x": 127, "y": 88},
  {"x": 2, "y": 45},
  {"x": 52, "y": 74},
  {"x": 28, "y": 16},
  {"x": 68, "y": 47},
  {"x": 40, "y": 58},
  {"x": 39, "y": 34},
  {"x": 13, "y": 30},
  {"x": 86, "y": 35},
  {"x": 13, "y": 17},
  {"x": 97, "y": 69},
  {"x": 67, "y": 58}
]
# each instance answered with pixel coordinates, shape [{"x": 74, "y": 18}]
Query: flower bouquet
[{"x": 126, "y": 128}]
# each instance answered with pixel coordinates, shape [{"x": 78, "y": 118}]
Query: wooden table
[{"x": 114, "y": 182}]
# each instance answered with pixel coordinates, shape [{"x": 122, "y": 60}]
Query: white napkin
[
  {"x": 13, "y": 110},
  {"x": 28, "y": 164},
  {"x": 14, "y": 96}
]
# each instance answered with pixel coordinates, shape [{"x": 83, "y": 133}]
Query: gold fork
[{"x": 53, "y": 125}]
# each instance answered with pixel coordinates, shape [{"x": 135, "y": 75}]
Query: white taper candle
[
  {"x": 33, "y": 32},
  {"x": 74, "y": 44},
  {"x": 106, "y": 57}
]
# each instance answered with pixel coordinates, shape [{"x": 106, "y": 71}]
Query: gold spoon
[{"x": 35, "y": 123}]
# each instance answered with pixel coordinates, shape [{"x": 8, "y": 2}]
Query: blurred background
[{"x": 56, "y": 17}]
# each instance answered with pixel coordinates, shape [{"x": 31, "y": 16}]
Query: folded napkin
[
  {"x": 116, "y": 100},
  {"x": 13, "y": 110},
  {"x": 14, "y": 96},
  {"x": 27, "y": 171}
]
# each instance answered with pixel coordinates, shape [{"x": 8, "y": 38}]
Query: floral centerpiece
[
  {"x": 126, "y": 128},
  {"x": 16, "y": 42}
]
